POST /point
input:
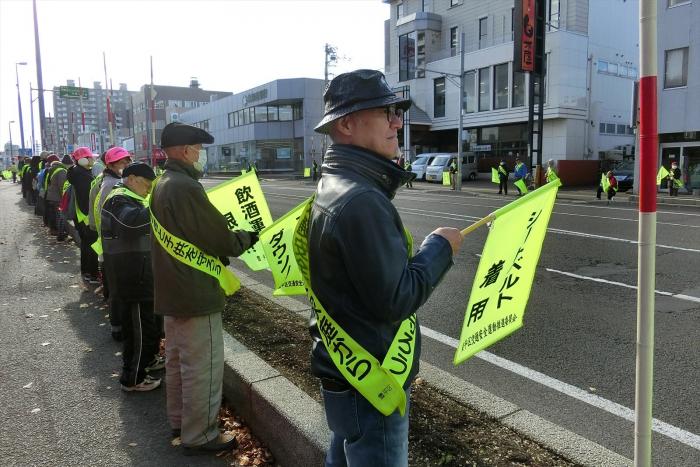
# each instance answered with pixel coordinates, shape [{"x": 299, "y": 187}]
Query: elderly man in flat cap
[
  {"x": 189, "y": 295},
  {"x": 366, "y": 282}
]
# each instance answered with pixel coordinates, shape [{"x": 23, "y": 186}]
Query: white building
[
  {"x": 271, "y": 125},
  {"x": 679, "y": 86},
  {"x": 592, "y": 55}
]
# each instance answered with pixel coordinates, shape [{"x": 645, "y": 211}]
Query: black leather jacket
[{"x": 358, "y": 256}]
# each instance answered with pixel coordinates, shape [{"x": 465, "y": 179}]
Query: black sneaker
[{"x": 158, "y": 363}]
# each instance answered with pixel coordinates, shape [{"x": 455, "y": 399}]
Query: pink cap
[
  {"x": 115, "y": 154},
  {"x": 81, "y": 152}
]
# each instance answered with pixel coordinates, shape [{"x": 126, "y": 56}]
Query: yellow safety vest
[
  {"x": 380, "y": 383},
  {"x": 192, "y": 256},
  {"x": 551, "y": 175}
]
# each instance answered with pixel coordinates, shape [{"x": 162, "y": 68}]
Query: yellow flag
[
  {"x": 307, "y": 172},
  {"x": 243, "y": 204},
  {"x": 277, "y": 241},
  {"x": 446, "y": 179},
  {"x": 494, "y": 176},
  {"x": 521, "y": 184},
  {"x": 605, "y": 182},
  {"x": 506, "y": 271},
  {"x": 663, "y": 173}
]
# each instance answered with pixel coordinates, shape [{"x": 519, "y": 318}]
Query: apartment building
[
  {"x": 591, "y": 61},
  {"x": 92, "y": 130}
]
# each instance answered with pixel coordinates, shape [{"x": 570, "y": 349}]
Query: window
[
  {"x": 610, "y": 128},
  {"x": 251, "y": 114},
  {"x": 621, "y": 129},
  {"x": 676, "y": 70},
  {"x": 231, "y": 122},
  {"x": 261, "y": 113},
  {"x": 500, "y": 86},
  {"x": 518, "y": 89},
  {"x": 399, "y": 10},
  {"x": 469, "y": 103},
  {"x": 453, "y": 41},
  {"x": 246, "y": 119},
  {"x": 630, "y": 130},
  {"x": 632, "y": 72},
  {"x": 272, "y": 115},
  {"x": 407, "y": 56},
  {"x": 553, "y": 14},
  {"x": 285, "y": 113},
  {"x": 297, "y": 111},
  {"x": 483, "y": 32},
  {"x": 602, "y": 66},
  {"x": 420, "y": 55},
  {"x": 455, "y": 2},
  {"x": 612, "y": 68},
  {"x": 439, "y": 97},
  {"x": 677, "y": 2},
  {"x": 484, "y": 88},
  {"x": 512, "y": 23}
]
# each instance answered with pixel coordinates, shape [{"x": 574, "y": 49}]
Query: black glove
[
  {"x": 224, "y": 260},
  {"x": 254, "y": 237}
]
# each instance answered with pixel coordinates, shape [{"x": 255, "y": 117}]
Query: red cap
[
  {"x": 52, "y": 158},
  {"x": 115, "y": 154},
  {"x": 81, "y": 152}
]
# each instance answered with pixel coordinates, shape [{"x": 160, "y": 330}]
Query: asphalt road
[
  {"x": 60, "y": 404},
  {"x": 573, "y": 363}
]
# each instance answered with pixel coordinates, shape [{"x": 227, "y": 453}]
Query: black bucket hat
[{"x": 357, "y": 90}]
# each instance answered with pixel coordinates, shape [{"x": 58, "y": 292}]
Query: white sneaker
[
  {"x": 148, "y": 384},
  {"x": 158, "y": 363}
]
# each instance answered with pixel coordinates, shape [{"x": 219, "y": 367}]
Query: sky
[{"x": 228, "y": 45}]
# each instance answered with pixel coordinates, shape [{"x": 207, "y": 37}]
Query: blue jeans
[{"x": 361, "y": 435}]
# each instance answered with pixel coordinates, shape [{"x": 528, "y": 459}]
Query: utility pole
[
  {"x": 31, "y": 112},
  {"x": 19, "y": 107},
  {"x": 109, "y": 110},
  {"x": 458, "y": 182},
  {"x": 40, "y": 81}
]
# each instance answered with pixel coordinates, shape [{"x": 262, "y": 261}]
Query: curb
[{"x": 293, "y": 425}]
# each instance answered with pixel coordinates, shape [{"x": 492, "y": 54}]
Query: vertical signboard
[{"x": 524, "y": 43}]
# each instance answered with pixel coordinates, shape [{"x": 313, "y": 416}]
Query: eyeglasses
[{"x": 393, "y": 111}]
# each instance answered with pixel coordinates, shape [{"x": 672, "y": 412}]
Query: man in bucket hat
[
  {"x": 365, "y": 282},
  {"x": 191, "y": 299}
]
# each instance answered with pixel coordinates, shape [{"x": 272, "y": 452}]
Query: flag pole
[
  {"x": 648, "y": 155},
  {"x": 477, "y": 224}
]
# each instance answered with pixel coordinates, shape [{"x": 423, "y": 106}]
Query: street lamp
[
  {"x": 458, "y": 181},
  {"x": 19, "y": 106},
  {"x": 9, "y": 129}
]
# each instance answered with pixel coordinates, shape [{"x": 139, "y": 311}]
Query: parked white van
[
  {"x": 441, "y": 163},
  {"x": 419, "y": 165}
]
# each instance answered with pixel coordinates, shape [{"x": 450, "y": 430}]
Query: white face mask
[
  {"x": 202, "y": 161},
  {"x": 85, "y": 162}
]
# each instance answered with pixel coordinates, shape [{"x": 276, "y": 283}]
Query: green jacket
[{"x": 182, "y": 207}]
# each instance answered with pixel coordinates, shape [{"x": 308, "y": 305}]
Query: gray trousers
[{"x": 194, "y": 372}]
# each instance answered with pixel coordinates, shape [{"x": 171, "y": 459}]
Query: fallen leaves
[
  {"x": 44, "y": 344},
  {"x": 43, "y": 316},
  {"x": 250, "y": 450},
  {"x": 88, "y": 349},
  {"x": 176, "y": 441},
  {"x": 74, "y": 286},
  {"x": 37, "y": 410},
  {"x": 83, "y": 305},
  {"x": 27, "y": 386},
  {"x": 133, "y": 444},
  {"x": 117, "y": 354},
  {"x": 29, "y": 315}
]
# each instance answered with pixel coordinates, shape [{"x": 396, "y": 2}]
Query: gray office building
[{"x": 270, "y": 125}]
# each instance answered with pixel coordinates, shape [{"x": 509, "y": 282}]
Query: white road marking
[
  {"x": 688, "y": 298},
  {"x": 680, "y": 435},
  {"x": 624, "y": 240}
]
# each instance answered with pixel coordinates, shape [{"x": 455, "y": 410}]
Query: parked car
[
  {"x": 441, "y": 163},
  {"x": 418, "y": 166},
  {"x": 624, "y": 173}
]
